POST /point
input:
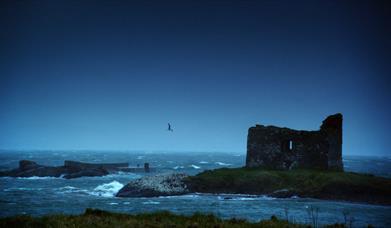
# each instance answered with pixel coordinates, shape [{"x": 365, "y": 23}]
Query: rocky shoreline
[
  {"x": 159, "y": 185},
  {"x": 329, "y": 185},
  {"x": 341, "y": 186},
  {"x": 70, "y": 169}
]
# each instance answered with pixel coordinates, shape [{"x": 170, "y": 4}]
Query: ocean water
[{"x": 45, "y": 195}]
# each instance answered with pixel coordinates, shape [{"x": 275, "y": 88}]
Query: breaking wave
[
  {"x": 107, "y": 190},
  {"x": 222, "y": 163},
  {"x": 195, "y": 167}
]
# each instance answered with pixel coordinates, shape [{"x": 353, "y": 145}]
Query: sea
[{"x": 39, "y": 196}]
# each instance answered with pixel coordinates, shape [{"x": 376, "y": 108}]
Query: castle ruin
[{"x": 284, "y": 148}]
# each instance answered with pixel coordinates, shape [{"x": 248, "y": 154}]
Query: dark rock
[
  {"x": 87, "y": 173},
  {"x": 83, "y": 165},
  {"x": 26, "y": 165},
  {"x": 159, "y": 185},
  {"x": 283, "y": 193},
  {"x": 70, "y": 170}
]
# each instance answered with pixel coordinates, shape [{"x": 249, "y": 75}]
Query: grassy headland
[
  {"x": 304, "y": 183},
  {"x": 98, "y": 218}
]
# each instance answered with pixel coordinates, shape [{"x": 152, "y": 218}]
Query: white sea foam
[
  {"x": 203, "y": 162},
  {"x": 39, "y": 178},
  {"x": 240, "y": 197},
  {"x": 113, "y": 203},
  {"x": 122, "y": 174},
  {"x": 186, "y": 196},
  {"x": 108, "y": 189},
  {"x": 71, "y": 189},
  {"x": 222, "y": 163},
  {"x": 21, "y": 189},
  {"x": 68, "y": 187},
  {"x": 195, "y": 167},
  {"x": 151, "y": 202},
  {"x": 179, "y": 167}
]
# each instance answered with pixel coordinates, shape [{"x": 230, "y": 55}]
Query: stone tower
[{"x": 284, "y": 148}]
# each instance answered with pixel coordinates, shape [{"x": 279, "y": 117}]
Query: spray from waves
[{"x": 107, "y": 190}]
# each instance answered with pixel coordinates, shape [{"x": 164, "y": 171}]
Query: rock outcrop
[
  {"x": 284, "y": 148},
  {"x": 70, "y": 169},
  {"x": 158, "y": 185}
]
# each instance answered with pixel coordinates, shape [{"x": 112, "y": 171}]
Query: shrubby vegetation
[{"x": 98, "y": 218}]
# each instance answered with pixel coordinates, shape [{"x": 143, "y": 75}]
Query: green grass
[
  {"x": 306, "y": 183},
  {"x": 98, "y": 218}
]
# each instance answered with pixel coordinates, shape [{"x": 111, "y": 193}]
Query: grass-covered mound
[
  {"x": 304, "y": 183},
  {"x": 98, "y": 218}
]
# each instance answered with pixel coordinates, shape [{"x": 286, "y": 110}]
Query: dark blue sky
[{"x": 111, "y": 74}]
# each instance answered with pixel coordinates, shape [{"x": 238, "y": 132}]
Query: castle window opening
[{"x": 290, "y": 145}]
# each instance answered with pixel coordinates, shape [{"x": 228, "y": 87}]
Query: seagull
[{"x": 169, "y": 127}]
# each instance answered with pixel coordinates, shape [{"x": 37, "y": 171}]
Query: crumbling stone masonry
[{"x": 284, "y": 148}]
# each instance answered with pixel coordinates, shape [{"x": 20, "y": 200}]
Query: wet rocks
[
  {"x": 284, "y": 193},
  {"x": 26, "y": 165},
  {"x": 158, "y": 185},
  {"x": 30, "y": 168},
  {"x": 92, "y": 172}
]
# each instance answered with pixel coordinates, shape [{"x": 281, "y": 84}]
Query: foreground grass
[
  {"x": 305, "y": 183},
  {"x": 98, "y": 218}
]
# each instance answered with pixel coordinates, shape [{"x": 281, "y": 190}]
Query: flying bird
[{"x": 169, "y": 127}]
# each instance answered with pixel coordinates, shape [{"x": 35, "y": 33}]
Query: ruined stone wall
[
  {"x": 284, "y": 148},
  {"x": 332, "y": 127}
]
